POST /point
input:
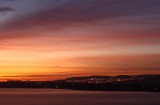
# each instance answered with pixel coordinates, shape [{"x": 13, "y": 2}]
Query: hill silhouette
[{"x": 105, "y": 83}]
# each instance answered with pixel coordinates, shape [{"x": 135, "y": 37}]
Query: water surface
[{"x": 74, "y": 97}]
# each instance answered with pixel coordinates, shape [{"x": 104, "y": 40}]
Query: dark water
[{"x": 71, "y": 97}]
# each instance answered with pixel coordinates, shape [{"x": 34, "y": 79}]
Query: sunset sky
[{"x": 56, "y": 39}]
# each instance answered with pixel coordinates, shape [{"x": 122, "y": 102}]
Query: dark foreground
[
  {"x": 72, "y": 97},
  {"x": 147, "y": 83}
]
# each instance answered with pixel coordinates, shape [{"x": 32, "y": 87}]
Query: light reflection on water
[{"x": 69, "y": 97}]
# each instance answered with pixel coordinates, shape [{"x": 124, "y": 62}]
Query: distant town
[{"x": 148, "y": 83}]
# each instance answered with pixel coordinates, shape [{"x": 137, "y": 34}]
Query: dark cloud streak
[
  {"x": 60, "y": 14},
  {"x": 6, "y": 9}
]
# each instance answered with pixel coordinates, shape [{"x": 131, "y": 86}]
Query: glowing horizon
[{"x": 56, "y": 39}]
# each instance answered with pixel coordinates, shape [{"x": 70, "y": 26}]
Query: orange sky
[{"x": 57, "y": 40}]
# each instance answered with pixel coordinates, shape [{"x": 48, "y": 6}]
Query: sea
[{"x": 76, "y": 97}]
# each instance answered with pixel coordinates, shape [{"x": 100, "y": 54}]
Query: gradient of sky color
[{"x": 55, "y": 39}]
